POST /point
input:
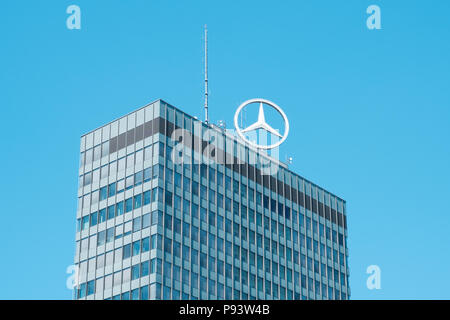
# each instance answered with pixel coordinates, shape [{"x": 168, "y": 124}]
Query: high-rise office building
[{"x": 213, "y": 226}]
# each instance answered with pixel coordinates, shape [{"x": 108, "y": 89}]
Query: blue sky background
[{"x": 369, "y": 115}]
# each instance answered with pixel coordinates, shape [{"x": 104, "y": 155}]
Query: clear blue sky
[{"x": 369, "y": 111}]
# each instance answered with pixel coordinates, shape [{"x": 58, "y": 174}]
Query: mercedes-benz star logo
[{"x": 261, "y": 123}]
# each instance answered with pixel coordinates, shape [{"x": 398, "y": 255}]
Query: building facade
[{"x": 152, "y": 227}]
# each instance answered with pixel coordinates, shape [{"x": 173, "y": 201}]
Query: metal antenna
[{"x": 206, "y": 74}]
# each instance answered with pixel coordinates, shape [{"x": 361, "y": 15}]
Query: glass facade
[{"x": 213, "y": 226}]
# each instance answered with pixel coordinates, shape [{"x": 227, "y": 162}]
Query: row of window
[
  {"x": 193, "y": 233},
  {"x": 145, "y": 175},
  {"x": 88, "y": 288},
  {"x": 209, "y": 287},
  {"x": 121, "y": 164},
  {"x": 158, "y": 147},
  {"x": 150, "y": 196},
  {"x": 158, "y": 170},
  {"x": 118, "y": 209},
  {"x": 173, "y": 247}
]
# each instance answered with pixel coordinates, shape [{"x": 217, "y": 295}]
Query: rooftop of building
[{"x": 215, "y": 127}]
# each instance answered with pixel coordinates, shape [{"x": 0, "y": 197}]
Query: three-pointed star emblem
[{"x": 261, "y": 123}]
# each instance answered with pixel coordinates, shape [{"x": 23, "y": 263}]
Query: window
[
  {"x": 169, "y": 175},
  {"x": 145, "y": 268},
  {"x": 168, "y": 198},
  {"x": 168, "y": 221},
  {"x": 117, "y": 278},
  {"x": 87, "y": 178},
  {"x": 128, "y": 204},
  {"x": 121, "y": 164},
  {"x": 97, "y": 152},
  {"x": 161, "y": 149},
  {"x": 212, "y": 218},
  {"x": 100, "y": 261},
  {"x": 177, "y": 203},
  {"x": 135, "y": 294},
  {"x": 228, "y": 248},
  {"x": 212, "y": 196},
  {"x": 102, "y": 216},
  {"x": 227, "y": 225},
  {"x": 136, "y": 224},
  {"x": 119, "y": 207},
  {"x": 219, "y": 244},
  {"x": 186, "y": 253},
  {"x": 219, "y": 179},
  {"x": 103, "y": 193},
  {"x": 156, "y": 169},
  {"x": 186, "y": 206},
  {"x": 203, "y": 193},
  {"x": 93, "y": 219},
  {"x": 94, "y": 198},
  {"x": 194, "y": 233},
  {"x": 111, "y": 212},
  {"x": 203, "y": 170},
  {"x": 167, "y": 245},
  {"x": 154, "y": 194},
  {"x": 177, "y": 225},
  {"x": 236, "y": 229},
  {"x": 148, "y": 153},
  {"x": 194, "y": 212},
  {"x": 147, "y": 197},
  {"x": 101, "y": 237},
  {"x": 136, "y": 247},
  {"x": 176, "y": 249},
  {"x": 203, "y": 214},
  {"x": 203, "y": 260},
  {"x": 227, "y": 183},
  {"x": 118, "y": 255},
  {"x": 126, "y": 251},
  {"x": 90, "y": 287},
  {"x": 113, "y": 167},
  {"x": 85, "y": 223},
  {"x": 138, "y": 178},
  {"x": 109, "y": 235},
  {"x": 186, "y": 184},
  {"x": 129, "y": 182},
  {"x": 194, "y": 280},
  {"x": 137, "y": 201},
  {"x": 195, "y": 188},
  {"x": 194, "y": 256},
  {"x": 153, "y": 242},
  {"x": 135, "y": 271},
  {"x": 147, "y": 174},
  {"x": 82, "y": 290},
  {"x": 145, "y": 244},
  {"x": 153, "y": 265},
  {"x": 88, "y": 156},
  {"x": 177, "y": 181},
  {"x": 156, "y": 217},
  {"x": 120, "y": 185},
  {"x": 203, "y": 237},
  {"x": 130, "y": 160},
  {"x": 236, "y": 187},
  {"x": 105, "y": 149},
  {"x": 146, "y": 220}
]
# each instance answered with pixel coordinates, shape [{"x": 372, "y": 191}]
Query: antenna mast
[{"x": 206, "y": 74}]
